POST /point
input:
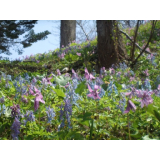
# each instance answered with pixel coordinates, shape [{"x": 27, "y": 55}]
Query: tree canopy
[{"x": 10, "y": 30}]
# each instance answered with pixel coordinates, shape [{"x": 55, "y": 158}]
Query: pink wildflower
[
  {"x": 145, "y": 96},
  {"x": 94, "y": 93},
  {"x": 88, "y": 76},
  {"x": 38, "y": 98},
  {"x": 79, "y": 54},
  {"x": 130, "y": 106}
]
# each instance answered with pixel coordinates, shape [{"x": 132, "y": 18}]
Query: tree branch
[
  {"x": 152, "y": 31},
  {"x": 135, "y": 43},
  {"x": 83, "y": 30}
]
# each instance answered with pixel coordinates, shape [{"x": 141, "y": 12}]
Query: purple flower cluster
[
  {"x": 15, "y": 128},
  {"x": 2, "y": 100},
  {"x": 94, "y": 93},
  {"x": 38, "y": 98},
  {"x": 70, "y": 93},
  {"x": 15, "y": 110},
  {"x": 122, "y": 103},
  {"x": 29, "y": 117},
  {"x": 130, "y": 106},
  {"x": 3, "y": 109},
  {"x": 50, "y": 114},
  {"x": 65, "y": 114},
  {"x": 111, "y": 88},
  {"x": 145, "y": 96},
  {"x": 88, "y": 76}
]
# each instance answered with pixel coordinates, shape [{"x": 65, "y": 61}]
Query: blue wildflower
[
  {"x": 123, "y": 66},
  {"x": 71, "y": 95},
  {"x": 29, "y": 117},
  {"x": 146, "y": 85},
  {"x": 50, "y": 114},
  {"x": 15, "y": 129},
  {"x": 65, "y": 113},
  {"x": 3, "y": 109},
  {"x": 122, "y": 103},
  {"x": 2, "y": 100},
  {"x": 15, "y": 110},
  {"x": 111, "y": 88}
]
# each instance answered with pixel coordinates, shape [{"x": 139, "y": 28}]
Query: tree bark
[
  {"x": 110, "y": 46},
  {"x": 68, "y": 32}
]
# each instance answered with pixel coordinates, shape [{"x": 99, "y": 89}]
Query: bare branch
[
  {"x": 152, "y": 31},
  {"x": 83, "y": 30},
  {"x": 135, "y": 43}
]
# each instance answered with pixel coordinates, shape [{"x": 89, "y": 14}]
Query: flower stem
[
  {"x": 128, "y": 126},
  {"x": 146, "y": 119}
]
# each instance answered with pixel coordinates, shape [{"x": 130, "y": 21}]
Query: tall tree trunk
[
  {"x": 68, "y": 32},
  {"x": 110, "y": 45}
]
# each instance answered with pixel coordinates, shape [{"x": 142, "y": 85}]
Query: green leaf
[
  {"x": 86, "y": 123},
  {"x": 62, "y": 80},
  {"x": 104, "y": 86},
  {"x": 147, "y": 138},
  {"x": 86, "y": 116},
  {"x": 59, "y": 92},
  {"x": 80, "y": 88},
  {"x": 8, "y": 112},
  {"x": 75, "y": 135},
  {"x": 152, "y": 110},
  {"x": 157, "y": 115}
]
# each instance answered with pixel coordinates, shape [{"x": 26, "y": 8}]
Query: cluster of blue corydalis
[
  {"x": 15, "y": 128},
  {"x": 112, "y": 88},
  {"x": 70, "y": 93},
  {"x": 15, "y": 111},
  {"x": 65, "y": 114},
  {"x": 2, "y": 109},
  {"x": 146, "y": 85},
  {"x": 152, "y": 59},
  {"x": 20, "y": 86},
  {"x": 6, "y": 77},
  {"x": 33, "y": 83},
  {"x": 29, "y": 117},
  {"x": 97, "y": 82},
  {"x": 118, "y": 74},
  {"x": 131, "y": 72},
  {"x": 2, "y": 100},
  {"x": 122, "y": 103},
  {"x": 157, "y": 82},
  {"x": 123, "y": 66},
  {"x": 27, "y": 78},
  {"x": 50, "y": 114}
]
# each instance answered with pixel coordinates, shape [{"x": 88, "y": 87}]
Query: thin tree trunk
[{"x": 68, "y": 32}]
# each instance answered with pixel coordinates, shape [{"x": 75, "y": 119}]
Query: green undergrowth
[{"x": 90, "y": 118}]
